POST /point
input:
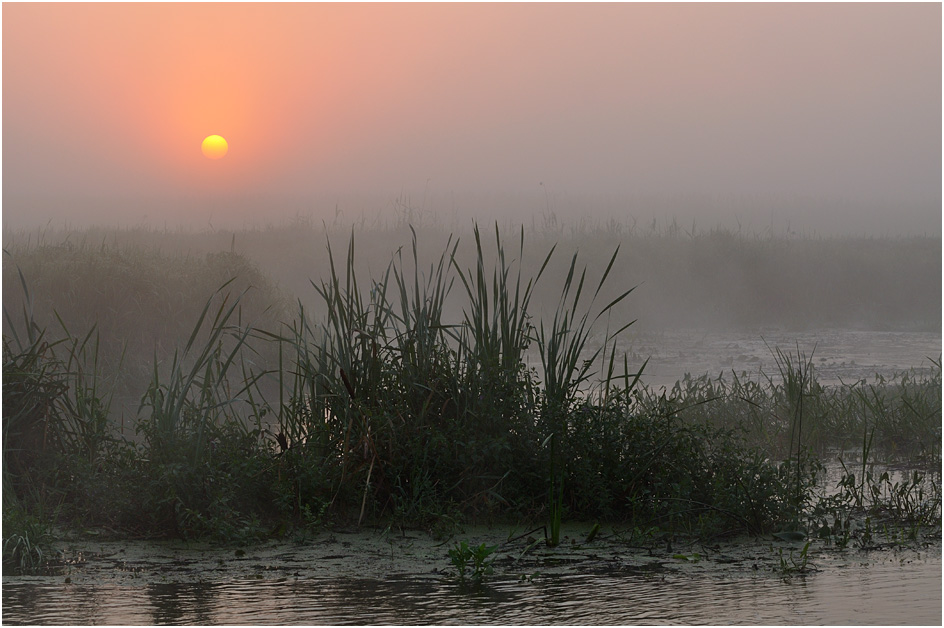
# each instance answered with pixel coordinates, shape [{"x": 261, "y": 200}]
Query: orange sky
[{"x": 105, "y": 107}]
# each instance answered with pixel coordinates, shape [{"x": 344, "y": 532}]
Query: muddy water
[{"x": 376, "y": 578}]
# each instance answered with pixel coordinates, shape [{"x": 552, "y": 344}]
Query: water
[
  {"x": 837, "y": 355},
  {"x": 902, "y": 587}
]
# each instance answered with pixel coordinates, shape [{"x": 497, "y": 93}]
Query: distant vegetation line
[{"x": 686, "y": 278}]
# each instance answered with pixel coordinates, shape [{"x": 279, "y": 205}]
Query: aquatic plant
[
  {"x": 903, "y": 503},
  {"x": 797, "y": 384},
  {"x": 566, "y": 367},
  {"x": 476, "y": 559},
  {"x": 23, "y": 550},
  {"x": 795, "y": 566},
  {"x": 904, "y": 410},
  {"x": 27, "y": 538}
]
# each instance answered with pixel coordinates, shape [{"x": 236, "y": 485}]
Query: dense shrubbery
[{"x": 385, "y": 411}]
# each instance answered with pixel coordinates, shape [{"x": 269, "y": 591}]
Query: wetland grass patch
[{"x": 410, "y": 398}]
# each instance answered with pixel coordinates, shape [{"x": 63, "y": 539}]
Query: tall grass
[
  {"x": 141, "y": 301},
  {"x": 566, "y": 367},
  {"x": 54, "y": 401},
  {"x": 53, "y": 408},
  {"x": 177, "y": 409},
  {"x": 414, "y": 408},
  {"x": 411, "y": 397}
]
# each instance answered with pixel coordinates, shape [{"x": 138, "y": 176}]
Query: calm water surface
[
  {"x": 902, "y": 587},
  {"x": 838, "y": 355}
]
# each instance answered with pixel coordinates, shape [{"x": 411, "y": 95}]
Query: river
[
  {"x": 837, "y": 355},
  {"x": 372, "y": 577},
  {"x": 875, "y": 595}
]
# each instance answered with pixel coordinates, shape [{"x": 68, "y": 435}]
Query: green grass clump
[
  {"x": 778, "y": 414},
  {"x": 26, "y": 541},
  {"x": 476, "y": 559}
]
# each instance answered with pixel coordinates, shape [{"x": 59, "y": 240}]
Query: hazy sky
[{"x": 824, "y": 114}]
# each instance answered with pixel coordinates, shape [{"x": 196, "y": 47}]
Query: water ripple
[{"x": 891, "y": 591}]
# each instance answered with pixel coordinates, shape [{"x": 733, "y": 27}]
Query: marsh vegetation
[{"x": 461, "y": 380}]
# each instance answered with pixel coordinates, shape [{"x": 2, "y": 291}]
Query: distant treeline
[{"x": 715, "y": 279}]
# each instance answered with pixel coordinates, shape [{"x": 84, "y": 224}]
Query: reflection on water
[{"x": 897, "y": 588}]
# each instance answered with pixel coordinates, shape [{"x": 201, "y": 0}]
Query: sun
[{"x": 215, "y": 147}]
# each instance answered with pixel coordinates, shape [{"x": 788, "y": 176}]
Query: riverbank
[{"x": 94, "y": 559}]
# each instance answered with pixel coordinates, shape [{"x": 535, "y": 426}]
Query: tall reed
[
  {"x": 179, "y": 407},
  {"x": 54, "y": 402},
  {"x": 566, "y": 367}
]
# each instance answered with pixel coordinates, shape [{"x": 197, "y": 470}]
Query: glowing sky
[{"x": 814, "y": 107}]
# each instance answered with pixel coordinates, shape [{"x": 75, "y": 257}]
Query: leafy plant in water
[
  {"x": 916, "y": 500},
  {"x": 24, "y": 555},
  {"x": 24, "y": 538},
  {"x": 790, "y": 566},
  {"x": 902, "y": 506},
  {"x": 466, "y": 558}
]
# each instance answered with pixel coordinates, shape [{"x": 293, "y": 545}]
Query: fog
[{"x": 808, "y": 118}]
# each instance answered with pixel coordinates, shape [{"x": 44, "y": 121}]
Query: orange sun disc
[{"x": 215, "y": 147}]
